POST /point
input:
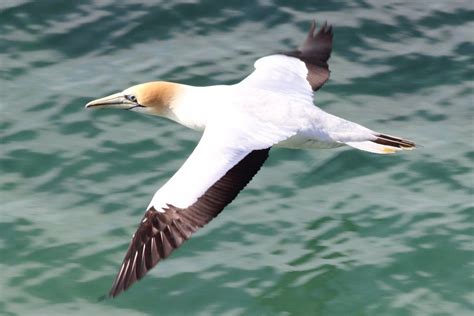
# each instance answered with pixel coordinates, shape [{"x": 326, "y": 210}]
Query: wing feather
[
  {"x": 299, "y": 71},
  {"x": 160, "y": 233},
  {"x": 315, "y": 53}
]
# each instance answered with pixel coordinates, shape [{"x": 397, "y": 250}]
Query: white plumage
[{"x": 272, "y": 107}]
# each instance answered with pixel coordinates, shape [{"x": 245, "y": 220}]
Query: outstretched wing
[
  {"x": 220, "y": 166},
  {"x": 162, "y": 231},
  {"x": 301, "y": 71}
]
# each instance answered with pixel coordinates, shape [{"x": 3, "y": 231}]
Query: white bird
[{"x": 271, "y": 107}]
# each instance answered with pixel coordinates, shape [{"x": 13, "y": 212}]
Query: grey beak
[{"x": 114, "y": 101}]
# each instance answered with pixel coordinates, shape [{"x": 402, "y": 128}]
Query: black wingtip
[
  {"x": 312, "y": 28},
  {"x": 315, "y": 53},
  {"x": 317, "y": 40},
  {"x": 159, "y": 233},
  {"x": 325, "y": 31}
]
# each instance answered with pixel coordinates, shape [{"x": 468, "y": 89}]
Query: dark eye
[{"x": 131, "y": 98}]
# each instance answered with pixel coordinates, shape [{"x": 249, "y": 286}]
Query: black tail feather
[{"x": 394, "y": 141}]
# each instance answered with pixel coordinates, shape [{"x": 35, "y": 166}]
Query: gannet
[{"x": 272, "y": 107}]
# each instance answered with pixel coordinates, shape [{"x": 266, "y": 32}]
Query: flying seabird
[{"x": 272, "y": 107}]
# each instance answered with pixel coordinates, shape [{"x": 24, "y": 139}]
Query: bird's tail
[{"x": 383, "y": 144}]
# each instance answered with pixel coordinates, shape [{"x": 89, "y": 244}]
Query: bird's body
[{"x": 272, "y": 107}]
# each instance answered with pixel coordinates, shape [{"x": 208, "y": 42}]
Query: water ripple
[{"x": 315, "y": 233}]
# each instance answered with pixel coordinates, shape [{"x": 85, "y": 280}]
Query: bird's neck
[{"x": 194, "y": 105}]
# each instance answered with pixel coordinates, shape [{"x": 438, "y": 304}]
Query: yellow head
[{"x": 153, "y": 98}]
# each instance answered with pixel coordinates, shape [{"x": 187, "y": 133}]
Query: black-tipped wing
[
  {"x": 160, "y": 233},
  {"x": 300, "y": 71},
  {"x": 315, "y": 53}
]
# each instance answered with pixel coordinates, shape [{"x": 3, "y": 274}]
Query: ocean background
[{"x": 317, "y": 232}]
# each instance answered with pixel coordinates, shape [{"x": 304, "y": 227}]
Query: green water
[{"x": 328, "y": 232}]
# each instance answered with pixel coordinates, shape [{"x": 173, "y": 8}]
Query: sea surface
[{"x": 317, "y": 232}]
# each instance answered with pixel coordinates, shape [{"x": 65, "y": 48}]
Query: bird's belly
[{"x": 300, "y": 141}]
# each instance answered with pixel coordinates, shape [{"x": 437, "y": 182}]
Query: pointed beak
[{"x": 114, "y": 101}]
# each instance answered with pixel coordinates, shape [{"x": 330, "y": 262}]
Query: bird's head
[{"x": 153, "y": 98}]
